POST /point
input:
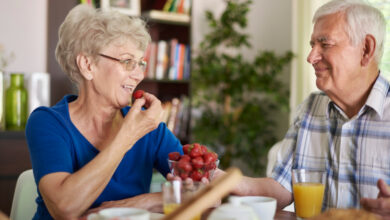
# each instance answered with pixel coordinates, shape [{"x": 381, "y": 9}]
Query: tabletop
[{"x": 279, "y": 215}]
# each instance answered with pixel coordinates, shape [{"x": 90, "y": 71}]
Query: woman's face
[{"x": 116, "y": 81}]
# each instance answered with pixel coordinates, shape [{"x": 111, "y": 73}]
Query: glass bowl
[{"x": 189, "y": 169}]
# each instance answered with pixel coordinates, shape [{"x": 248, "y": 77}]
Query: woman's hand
[
  {"x": 381, "y": 205},
  {"x": 138, "y": 122},
  {"x": 171, "y": 177}
]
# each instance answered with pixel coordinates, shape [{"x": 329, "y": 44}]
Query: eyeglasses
[{"x": 129, "y": 64}]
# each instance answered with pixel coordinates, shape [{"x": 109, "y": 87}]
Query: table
[
  {"x": 285, "y": 215},
  {"x": 279, "y": 215}
]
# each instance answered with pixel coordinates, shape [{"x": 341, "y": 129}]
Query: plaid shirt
[{"x": 354, "y": 152}]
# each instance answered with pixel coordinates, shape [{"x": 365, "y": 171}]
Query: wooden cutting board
[{"x": 208, "y": 196}]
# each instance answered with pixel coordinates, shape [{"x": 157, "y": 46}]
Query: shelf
[
  {"x": 12, "y": 135},
  {"x": 166, "y": 81},
  {"x": 167, "y": 17}
]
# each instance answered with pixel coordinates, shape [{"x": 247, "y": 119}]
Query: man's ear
[
  {"x": 368, "y": 49},
  {"x": 84, "y": 63}
]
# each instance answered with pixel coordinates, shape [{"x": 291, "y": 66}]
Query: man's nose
[{"x": 314, "y": 55}]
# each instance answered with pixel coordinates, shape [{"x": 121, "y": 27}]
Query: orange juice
[
  {"x": 308, "y": 199},
  {"x": 168, "y": 208}
]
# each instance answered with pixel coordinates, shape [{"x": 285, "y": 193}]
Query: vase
[{"x": 16, "y": 103}]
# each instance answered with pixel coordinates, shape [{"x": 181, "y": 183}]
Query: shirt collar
[
  {"x": 376, "y": 98},
  {"x": 378, "y": 94}
]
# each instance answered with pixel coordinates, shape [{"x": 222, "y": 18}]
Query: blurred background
[{"x": 279, "y": 27}]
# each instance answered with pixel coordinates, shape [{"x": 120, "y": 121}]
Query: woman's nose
[
  {"x": 314, "y": 55},
  {"x": 138, "y": 74}
]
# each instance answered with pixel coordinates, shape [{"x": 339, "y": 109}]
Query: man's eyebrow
[{"x": 321, "y": 39}]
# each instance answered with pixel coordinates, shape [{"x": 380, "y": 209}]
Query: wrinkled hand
[
  {"x": 204, "y": 180},
  {"x": 188, "y": 180},
  {"x": 381, "y": 205},
  {"x": 139, "y": 122}
]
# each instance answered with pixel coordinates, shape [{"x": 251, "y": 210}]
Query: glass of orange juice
[
  {"x": 176, "y": 192},
  {"x": 308, "y": 190}
]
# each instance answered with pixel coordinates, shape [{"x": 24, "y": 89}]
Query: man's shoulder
[{"x": 316, "y": 104}]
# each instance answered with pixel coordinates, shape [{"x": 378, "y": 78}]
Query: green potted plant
[{"x": 237, "y": 97}]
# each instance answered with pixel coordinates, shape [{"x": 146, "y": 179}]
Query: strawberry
[
  {"x": 184, "y": 175},
  {"x": 174, "y": 156},
  {"x": 210, "y": 166},
  {"x": 215, "y": 155},
  {"x": 138, "y": 94},
  {"x": 209, "y": 157},
  {"x": 187, "y": 148},
  {"x": 197, "y": 162},
  {"x": 196, "y": 175},
  {"x": 196, "y": 151},
  {"x": 185, "y": 157},
  {"x": 206, "y": 174},
  {"x": 204, "y": 149},
  {"x": 184, "y": 165}
]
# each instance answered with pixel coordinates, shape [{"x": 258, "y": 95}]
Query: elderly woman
[{"x": 92, "y": 148}]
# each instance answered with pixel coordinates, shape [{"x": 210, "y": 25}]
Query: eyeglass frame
[{"x": 133, "y": 63}]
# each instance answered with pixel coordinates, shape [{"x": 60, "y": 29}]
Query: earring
[{"x": 89, "y": 76}]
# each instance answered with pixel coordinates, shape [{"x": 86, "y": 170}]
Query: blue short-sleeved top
[{"x": 56, "y": 145}]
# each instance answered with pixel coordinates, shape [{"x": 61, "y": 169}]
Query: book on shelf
[
  {"x": 173, "y": 114},
  {"x": 180, "y": 65},
  {"x": 150, "y": 58},
  {"x": 183, "y": 116},
  {"x": 172, "y": 44},
  {"x": 176, "y": 115},
  {"x": 178, "y": 6},
  {"x": 168, "y": 60},
  {"x": 162, "y": 59},
  {"x": 187, "y": 63}
]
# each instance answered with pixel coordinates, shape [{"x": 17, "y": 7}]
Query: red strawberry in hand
[
  {"x": 174, "y": 156},
  {"x": 138, "y": 94}
]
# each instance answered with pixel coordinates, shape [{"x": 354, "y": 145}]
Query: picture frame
[{"x": 128, "y": 7}]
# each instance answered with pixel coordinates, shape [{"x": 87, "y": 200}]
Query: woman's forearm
[{"x": 73, "y": 194}]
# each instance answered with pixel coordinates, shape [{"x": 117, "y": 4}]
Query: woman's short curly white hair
[{"x": 87, "y": 30}]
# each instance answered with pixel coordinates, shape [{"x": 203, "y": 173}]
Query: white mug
[
  {"x": 233, "y": 212},
  {"x": 265, "y": 207}
]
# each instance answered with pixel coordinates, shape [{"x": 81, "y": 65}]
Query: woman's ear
[
  {"x": 84, "y": 63},
  {"x": 368, "y": 49}
]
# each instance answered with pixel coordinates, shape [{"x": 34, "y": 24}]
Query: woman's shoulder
[{"x": 59, "y": 111}]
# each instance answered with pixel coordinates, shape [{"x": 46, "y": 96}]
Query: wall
[
  {"x": 23, "y": 28},
  {"x": 269, "y": 25}
]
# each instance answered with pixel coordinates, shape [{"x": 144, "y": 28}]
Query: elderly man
[{"x": 345, "y": 128}]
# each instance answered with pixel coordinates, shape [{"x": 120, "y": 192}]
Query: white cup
[
  {"x": 233, "y": 212},
  {"x": 265, "y": 207},
  {"x": 123, "y": 214}
]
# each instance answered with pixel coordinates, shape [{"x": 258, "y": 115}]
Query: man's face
[{"x": 337, "y": 63}]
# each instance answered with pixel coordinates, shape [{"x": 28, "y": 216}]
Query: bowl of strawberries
[{"x": 197, "y": 162}]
